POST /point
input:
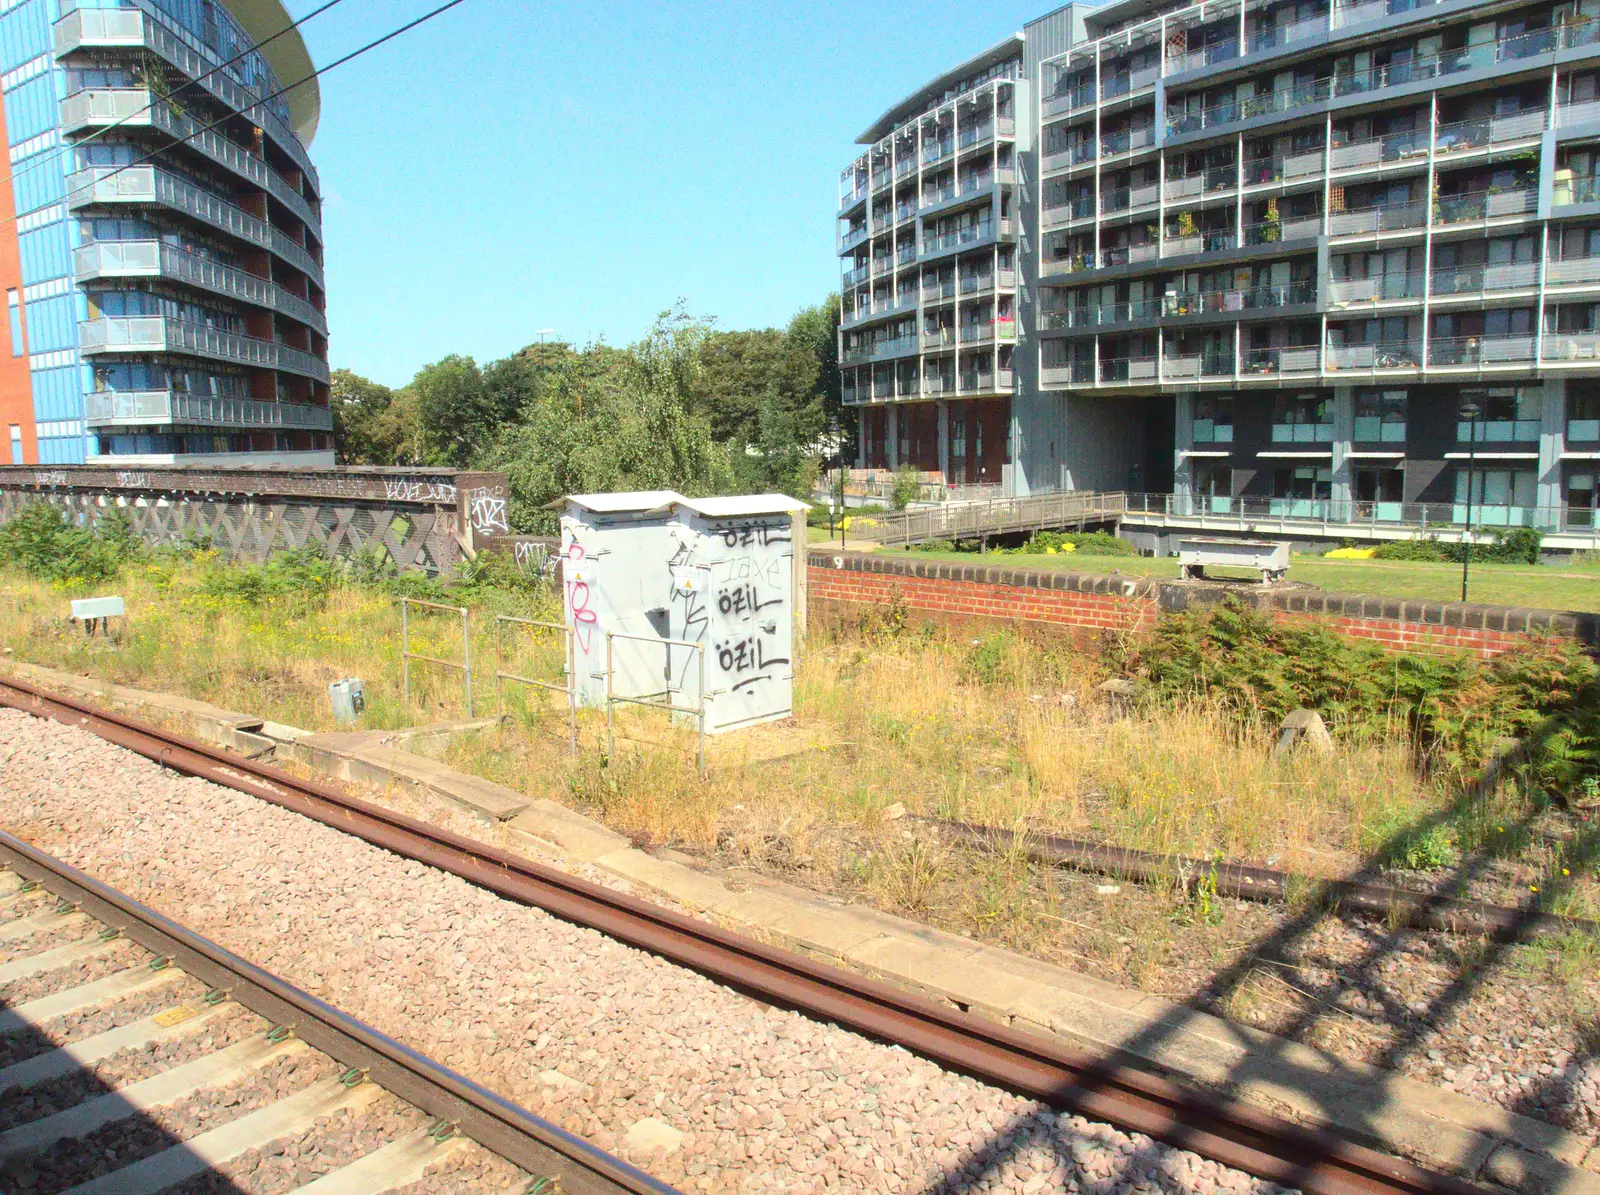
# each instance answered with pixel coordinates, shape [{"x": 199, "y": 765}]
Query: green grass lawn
[{"x": 1551, "y": 587}]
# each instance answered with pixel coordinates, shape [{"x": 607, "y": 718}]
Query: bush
[
  {"x": 1458, "y": 710},
  {"x": 44, "y": 541},
  {"x": 1518, "y": 546},
  {"x": 907, "y": 487},
  {"x": 303, "y": 572},
  {"x": 1092, "y": 543}
]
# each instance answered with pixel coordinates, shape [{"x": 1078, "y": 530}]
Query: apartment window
[
  {"x": 14, "y": 306},
  {"x": 1213, "y": 419},
  {"x": 1301, "y": 419},
  {"x": 1581, "y": 499},
  {"x": 1303, "y": 483},
  {"x": 1497, "y": 488},
  {"x": 1508, "y": 415},
  {"x": 1583, "y": 410},
  {"x": 16, "y": 444},
  {"x": 1380, "y": 417}
]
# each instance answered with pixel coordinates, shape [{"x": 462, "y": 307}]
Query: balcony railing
[
  {"x": 1125, "y": 198},
  {"x": 1072, "y": 155},
  {"x": 1378, "y": 78},
  {"x": 1286, "y": 360},
  {"x": 1570, "y": 271},
  {"x": 1491, "y": 130},
  {"x": 1390, "y": 217},
  {"x": 852, "y": 237},
  {"x": 1122, "y": 255},
  {"x": 147, "y": 184},
  {"x": 89, "y": 27},
  {"x": 1067, "y": 99},
  {"x": 1380, "y": 357},
  {"x": 937, "y": 151},
  {"x": 1283, "y": 35},
  {"x": 149, "y": 259},
  {"x": 1177, "y": 303},
  {"x": 1281, "y": 167},
  {"x": 1302, "y": 433},
  {"x": 1126, "y": 141},
  {"x": 1124, "y": 82},
  {"x": 1126, "y": 369},
  {"x": 156, "y": 333},
  {"x": 961, "y": 236},
  {"x": 1199, "y": 242},
  {"x": 133, "y": 408},
  {"x": 1383, "y": 288},
  {"x": 1484, "y": 205},
  {"x": 1375, "y": 429},
  {"x": 1570, "y": 346},
  {"x": 1479, "y": 350},
  {"x": 1396, "y": 147},
  {"x": 1518, "y": 275},
  {"x": 856, "y": 276},
  {"x": 1201, "y": 182},
  {"x": 1191, "y": 60},
  {"x": 1498, "y": 431},
  {"x": 1273, "y": 232},
  {"x": 1102, "y": 314}
]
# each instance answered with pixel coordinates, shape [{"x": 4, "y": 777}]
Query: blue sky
[{"x": 512, "y": 166}]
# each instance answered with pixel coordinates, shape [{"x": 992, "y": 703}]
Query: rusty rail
[{"x": 1102, "y": 1087}]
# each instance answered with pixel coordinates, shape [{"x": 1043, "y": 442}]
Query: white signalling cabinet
[{"x": 684, "y": 601}]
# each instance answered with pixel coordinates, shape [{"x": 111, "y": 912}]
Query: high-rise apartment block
[
  {"x": 160, "y": 236},
  {"x": 1292, "y": 256}
]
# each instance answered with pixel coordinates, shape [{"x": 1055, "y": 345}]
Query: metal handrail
[
  {"x": 698, "y": 711},
  {"x": 568, "y": 665},
  {"x": 407, "y": 655}
]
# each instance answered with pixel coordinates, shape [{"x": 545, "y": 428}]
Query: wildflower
[
  {"x": 1565, "y": 872},
  {"x": 1533, "y": 887}
]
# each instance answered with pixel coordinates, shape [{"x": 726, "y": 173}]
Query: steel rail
[
  {"x": 504, "y": 1128},
  {"x": 1111, "y": 1088}
]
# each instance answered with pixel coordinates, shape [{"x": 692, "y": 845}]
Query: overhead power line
[
  {"x": 44, "y": 159},
  {"x": 335, "y": 64}
]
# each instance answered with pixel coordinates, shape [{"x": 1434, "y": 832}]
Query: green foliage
[
  {"x": 1458, "y": 710},
  {"x": 1518, "y": 546},
  {"x": 1201, "y": 905},
  {"x": 1397, "y": 839},
  {"x": 372, "y": 424},
  {"x": 986, "y": 663},
  {"x": 907, "y": 487},
  {"x": 609, "y": 419},
  {"x": 45, "y": 541},
  {"x": 1092, "y": 543},
  {"x": 303, "y": 573}
]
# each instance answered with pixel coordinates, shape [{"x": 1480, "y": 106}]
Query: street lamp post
[{"x": 1470, "y": 412}]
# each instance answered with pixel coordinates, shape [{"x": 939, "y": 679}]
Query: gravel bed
[
  {"x": 295, "y": 1161},
  {"x": 48, "y": 938},
  {"x": 125, "y": 1066},
  {"x": 60, "y": 1031},
  {"x": 68, "y": 1163},
  {"x": 48, "y": 983},
  {"x": 703, "y": 1086},
  {"x": 472, "y": 1170}
]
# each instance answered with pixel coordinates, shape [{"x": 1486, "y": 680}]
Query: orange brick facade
[{"x": 1072, "y": 602}]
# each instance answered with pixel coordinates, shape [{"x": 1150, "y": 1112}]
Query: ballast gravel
[{"x": 705, "y": 1088}]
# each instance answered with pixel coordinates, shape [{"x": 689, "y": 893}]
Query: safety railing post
[
  {"x": 568, "y": 687},
  {"x": 466, "y": 656},
  {"x": 703, "y": 711},
  {"x": 405, "y": 654},
  {"x": 611, "y": 733}
]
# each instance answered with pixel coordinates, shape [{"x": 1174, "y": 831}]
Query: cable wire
[
  {"x": 43, "y": 159},
  {"x": 338, "y": 62}
]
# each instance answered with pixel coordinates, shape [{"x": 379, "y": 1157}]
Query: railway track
[
  {"x": 1103, "y": 1088},
  {"x": 180, "y": 1033}
]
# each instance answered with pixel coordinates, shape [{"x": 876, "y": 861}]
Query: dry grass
[{"x": 1000, "y": 731}]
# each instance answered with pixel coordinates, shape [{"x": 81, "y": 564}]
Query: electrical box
[{"x": 697, "y": 595}]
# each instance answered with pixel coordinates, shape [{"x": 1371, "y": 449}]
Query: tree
[
  {"x": 458, "y": 416},
  {"x": 612, "y": 419},
  {"x": 372, "y": 424},
  {"x": 817, "y": 330}
]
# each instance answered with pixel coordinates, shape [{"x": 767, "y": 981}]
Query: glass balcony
[
  {"x": 1584, "y": 431},
  {"x": 1302, "y": 433},
  {"x": 154, "y": 333},
  {"x": 1282, "y": 361},
  {"x": 1382, "y": 288},
  {"x": 1484, "y": 205},
  {"x": 1569, "y": 271},
  {"x": 1374, "y": 429},
  {"x": 1380, "y": 357},
  {"x": 1391, "y": 217},
  {"x": 1570, "y": 346},
  {"x": 1397, "y": 147},
  {"x": 1479, "y": 350},
  {"x": 133, "y": 408},
  {"x": 1467, "y": 280}
]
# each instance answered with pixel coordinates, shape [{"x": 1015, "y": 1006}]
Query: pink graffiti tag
[{"x": 583, "y": 618}]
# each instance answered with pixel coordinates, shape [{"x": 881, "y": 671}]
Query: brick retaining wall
[{"x": 948, "y": 592}]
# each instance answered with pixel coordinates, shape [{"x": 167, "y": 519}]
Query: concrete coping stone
[{"x": 1382, "y": 1108}]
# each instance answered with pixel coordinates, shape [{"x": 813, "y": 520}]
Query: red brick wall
[
  {"x": 962, "y": 600},
  {"x": 1082, "y": 603}
]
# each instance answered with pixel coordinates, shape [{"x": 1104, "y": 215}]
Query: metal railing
[
  {"x": 104, "y": 408},
  {"x": 998, "y": 516},
  {"x": 568, "y": 665},
  {"x": 661, "y": 701},
  {"x": 407, "y": 655}
]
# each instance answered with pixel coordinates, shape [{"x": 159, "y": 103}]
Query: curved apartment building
[
  {"x": 1268, "y": 252},
  {"x": 163, "y": 277}
]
